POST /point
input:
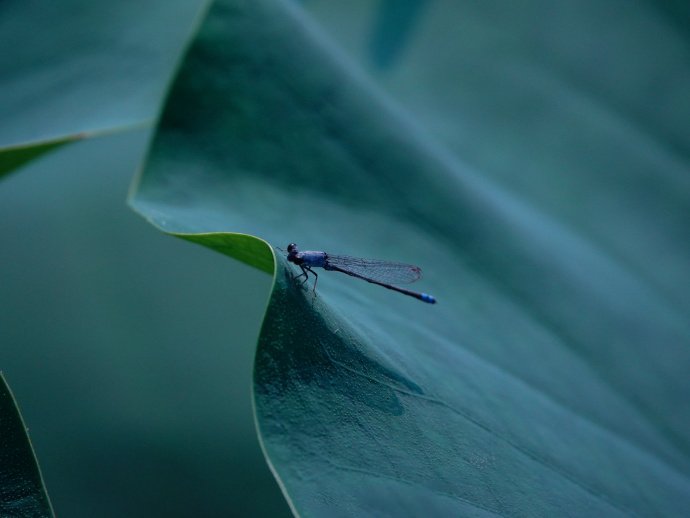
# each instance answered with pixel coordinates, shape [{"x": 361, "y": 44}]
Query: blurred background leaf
[
  {"x": 21, "y": 488},
  {"x": 130, "y": 352},
  {"x": 132, "y": 372},
  {"x": 78, "y": 66},
  {"x": 13, "y": 158},
  {"x": 552, "y": 374}
]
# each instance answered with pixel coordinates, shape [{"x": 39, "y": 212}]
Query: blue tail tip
[{"x": 428, "y": 298}]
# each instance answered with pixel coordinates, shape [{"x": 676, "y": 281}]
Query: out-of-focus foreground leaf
[
  {"x": 21, "y": 486},
  {"x": 551, "y": 377}
]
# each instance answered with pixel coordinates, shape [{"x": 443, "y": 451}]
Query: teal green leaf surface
[
  {"x": 86, "y": 67},
  {"x": 79, "y": 69},
  {"x": 525, "y": 173},
  {"x": 21, "y": 487}
]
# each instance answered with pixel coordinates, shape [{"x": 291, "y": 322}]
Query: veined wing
[{"x": 382, "y": 271}]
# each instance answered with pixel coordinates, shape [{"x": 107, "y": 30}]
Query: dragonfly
[{"x": 382, "y": 273}]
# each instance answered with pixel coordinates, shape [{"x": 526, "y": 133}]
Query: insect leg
[
  {"x": 304, "y": 272},
  {"x": 316, "y": 277}
]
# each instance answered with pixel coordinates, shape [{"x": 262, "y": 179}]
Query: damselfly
[{"x": 383, "y": 273}]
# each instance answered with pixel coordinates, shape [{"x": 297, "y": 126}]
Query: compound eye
[{"x": 291, "y": 247}]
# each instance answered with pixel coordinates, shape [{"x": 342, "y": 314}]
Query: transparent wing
[{"x": 382, "y": 271}]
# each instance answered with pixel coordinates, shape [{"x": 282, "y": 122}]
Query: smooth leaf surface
[
  {"x": 78, "y": 68},
  {"x": 21, "y": 487},
  {"x": 551, "y": 377},
  {"x": 84, "y": 292},
  {"x": 110, "y": 333}
]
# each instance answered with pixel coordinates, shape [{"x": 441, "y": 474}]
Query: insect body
[{"x": 383, "y": 273}]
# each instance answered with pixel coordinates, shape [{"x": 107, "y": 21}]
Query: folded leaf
[{"x": 550, "y": 378}]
